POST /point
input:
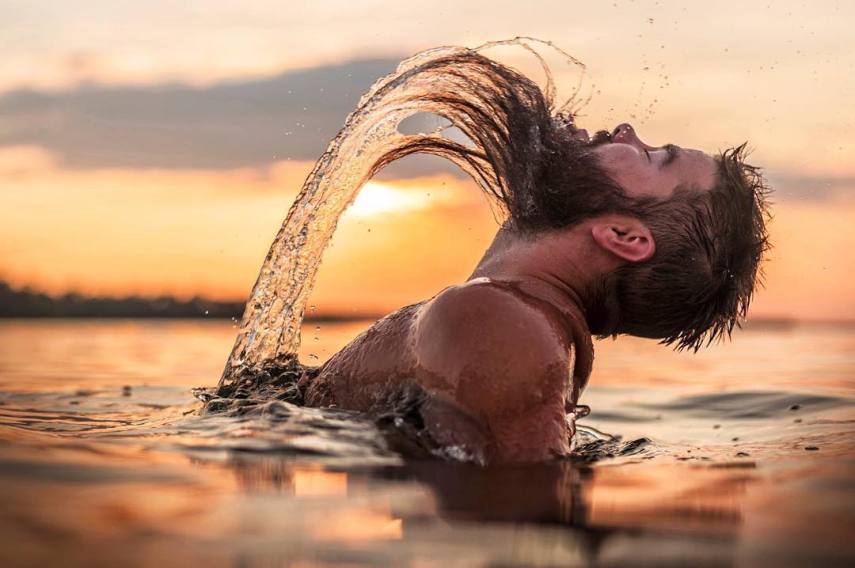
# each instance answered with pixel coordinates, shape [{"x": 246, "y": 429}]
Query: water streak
[{"x": 445, "y": 81}]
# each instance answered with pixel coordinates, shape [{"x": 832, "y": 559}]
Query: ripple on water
[{"x": 152, "y": 463}]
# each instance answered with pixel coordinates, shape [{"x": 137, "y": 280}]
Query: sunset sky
[{"x": 155, "y": 147}]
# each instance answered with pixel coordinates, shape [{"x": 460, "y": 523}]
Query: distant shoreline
[
  {"x": 332, "y": 318},
  {"x": 26, "y": 303}
]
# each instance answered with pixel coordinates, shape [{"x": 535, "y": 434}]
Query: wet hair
[
  {"x": 699, "y": 282},
  {"x": 709, "y": 245}
]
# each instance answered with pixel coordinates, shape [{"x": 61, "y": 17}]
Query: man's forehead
[{"x": 696, "y": 168}]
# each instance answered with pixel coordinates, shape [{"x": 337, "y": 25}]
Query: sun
[{"x": 377, "y": 198}]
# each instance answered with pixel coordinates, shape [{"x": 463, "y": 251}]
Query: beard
[
  {"x": 567, "y": 122},
  {"x": 571, "y": 185}
]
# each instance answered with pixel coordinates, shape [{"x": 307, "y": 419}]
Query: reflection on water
[{"x": 104, "y": 461}]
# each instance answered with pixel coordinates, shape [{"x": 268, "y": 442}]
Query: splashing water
[{"x": 446, "y": 82}]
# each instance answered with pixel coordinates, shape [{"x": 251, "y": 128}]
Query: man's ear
[{"x": 625, "y": 237}]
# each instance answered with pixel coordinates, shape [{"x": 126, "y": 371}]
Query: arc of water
[{"x": 435, "y": 81}]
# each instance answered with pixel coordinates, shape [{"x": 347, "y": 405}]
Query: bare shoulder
[
  {"x": 491, "y": 347},
  {"x": 483, "y": 314}
]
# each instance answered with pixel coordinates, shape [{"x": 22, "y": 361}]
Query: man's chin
[{"x": 581, "y": 134}]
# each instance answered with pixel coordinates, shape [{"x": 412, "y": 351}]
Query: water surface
[{"x": 741, "y": 455}]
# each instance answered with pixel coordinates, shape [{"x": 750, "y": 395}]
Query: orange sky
[
  {"x": 151, "y": 232},
  {"x": 706, "y": 77}
]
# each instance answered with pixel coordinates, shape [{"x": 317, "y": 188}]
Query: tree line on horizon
[
  {"x": 27, "y": 302},
  {"x": 30, "y": 303}
]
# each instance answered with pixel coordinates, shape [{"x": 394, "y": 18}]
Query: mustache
[
  {"x": 568, "y": 122},
  {"x": 600, "y": 138}
]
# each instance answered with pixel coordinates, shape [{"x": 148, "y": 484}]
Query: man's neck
[{"x": 562, "y": 267}]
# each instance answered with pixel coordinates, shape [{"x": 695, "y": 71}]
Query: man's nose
[{"x": 625, "y": 134}]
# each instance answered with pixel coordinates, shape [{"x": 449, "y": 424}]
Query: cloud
[
  {"x": 792, "y": 186},
  {"x": 226, "y": 125},
  {"x": 234, "y": 124}
]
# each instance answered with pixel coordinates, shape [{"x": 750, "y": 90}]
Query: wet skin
[
  {"x": 504, "y": 356},
  {"x": 494, "y": 359}
]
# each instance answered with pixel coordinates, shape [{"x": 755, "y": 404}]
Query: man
[{"x": 605, "y": 236}]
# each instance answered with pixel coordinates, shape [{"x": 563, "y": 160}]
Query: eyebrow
[{"x": 672, "y": 152}]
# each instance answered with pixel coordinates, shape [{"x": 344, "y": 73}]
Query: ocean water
[{"x": 740, "y": 455}]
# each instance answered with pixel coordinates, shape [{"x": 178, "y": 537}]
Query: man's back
[{"x": 486, "y": 354}]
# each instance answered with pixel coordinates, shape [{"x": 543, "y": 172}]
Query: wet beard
[
  {"x": 571, "y": 185},
  {"x": 567, "y": 122}
]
